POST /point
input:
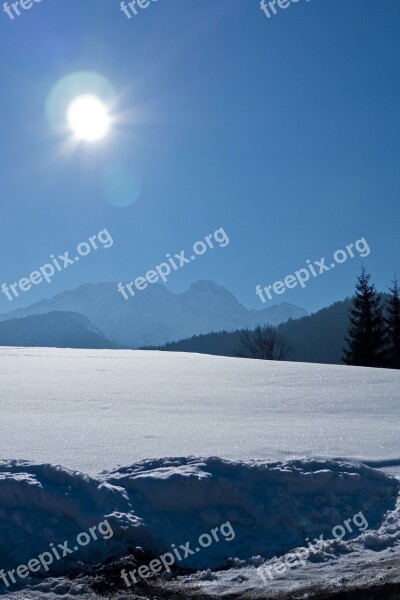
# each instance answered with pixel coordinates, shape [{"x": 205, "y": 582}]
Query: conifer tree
[
  {"x": 393, "y": 326},
  {"x": 366, "y": 341}
]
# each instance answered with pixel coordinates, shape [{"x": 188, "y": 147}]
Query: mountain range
[{"x": 157, "y": 316}]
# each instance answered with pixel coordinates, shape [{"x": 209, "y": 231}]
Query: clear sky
[{"x": 283, "y": 131}]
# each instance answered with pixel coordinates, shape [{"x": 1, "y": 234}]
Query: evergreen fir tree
[
  {"x": 366, "y": 341},
  {"x": 393, "y": 326}
]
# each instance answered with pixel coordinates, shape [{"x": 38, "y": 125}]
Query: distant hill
[
  {"x": 315, "y": 338},
  {"x": 54, "y": 330},
  {"x": 157, "y": 316},
  {"x": 321, "y": 336}
]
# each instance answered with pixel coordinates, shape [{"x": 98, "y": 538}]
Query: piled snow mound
[
  {"x": 43, "y": 504},
  {"x": 272, "y": 507}
]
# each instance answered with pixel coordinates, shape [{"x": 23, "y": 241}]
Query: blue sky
[{"x": 283, "y": 131}]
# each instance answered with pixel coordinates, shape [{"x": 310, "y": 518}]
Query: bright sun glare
[{"x": 88, "y": 118}]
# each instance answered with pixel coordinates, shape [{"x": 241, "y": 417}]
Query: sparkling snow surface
[{"x": 93, "y": 410}]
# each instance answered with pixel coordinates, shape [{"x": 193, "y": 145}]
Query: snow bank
[
  {"x": 272, "y": 507},
  {"x": 40, "y": 504}
]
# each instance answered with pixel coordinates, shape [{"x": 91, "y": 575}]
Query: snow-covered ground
[
  {"x": 93, "y": 410},
  {"x": 275, "y": 428}
]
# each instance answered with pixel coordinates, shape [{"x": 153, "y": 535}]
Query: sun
[{"x": 88, "y": 118}]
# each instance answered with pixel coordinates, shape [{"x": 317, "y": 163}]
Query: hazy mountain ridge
[
  {"x": 316, "y": 338},
  {"x": 157, "y": 316},
  {"x": 59, "y": 329}
]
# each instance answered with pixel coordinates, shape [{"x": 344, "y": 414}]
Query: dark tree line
[{"x": 373, "y": 338}]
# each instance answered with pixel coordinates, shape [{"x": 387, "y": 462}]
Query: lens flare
[{"x": 82, "y": 103}]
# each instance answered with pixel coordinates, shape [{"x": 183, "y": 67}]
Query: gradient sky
[{"x": 283, "y": 131}]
